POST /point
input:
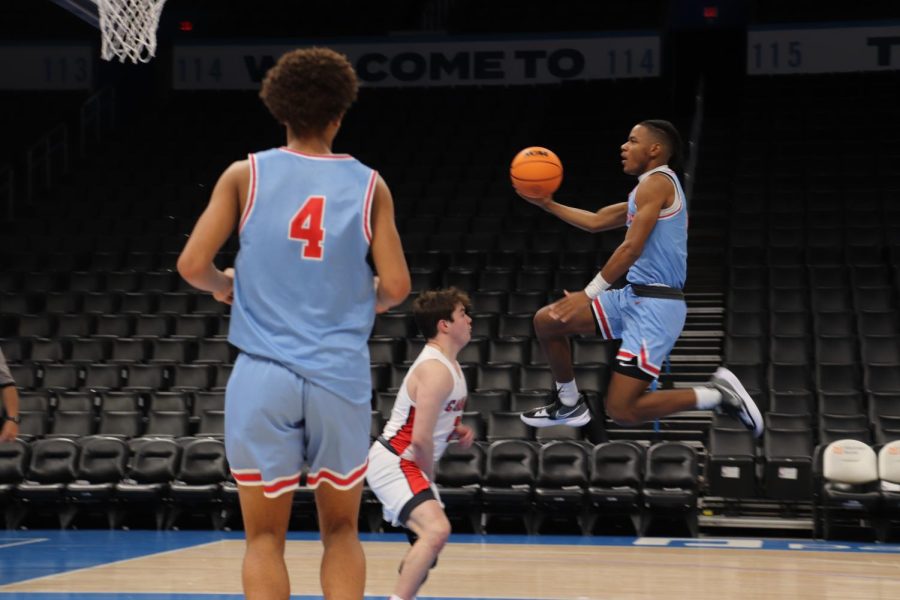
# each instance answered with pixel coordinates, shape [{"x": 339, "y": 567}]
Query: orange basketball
[{"x": 536, "y": 172}]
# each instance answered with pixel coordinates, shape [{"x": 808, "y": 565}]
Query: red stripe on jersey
[
  {"x": 414, "y": 476},
  {"x": 348, "y": 481},
  {"x": 367, "y": 207},
  {"x": 645, "y": 365},
  {"x": 403, "y": 438},
  {"x": 251, "y": 195},
  {"x": 604, "y": 324}
]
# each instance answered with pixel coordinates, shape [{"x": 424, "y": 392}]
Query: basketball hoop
[{"x": 128, "y": 29}]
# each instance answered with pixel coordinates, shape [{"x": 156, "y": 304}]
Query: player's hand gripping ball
[{"x": 536, "y": 172}]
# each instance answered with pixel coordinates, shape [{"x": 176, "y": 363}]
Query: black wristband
[{"x": 17, "y": 419}]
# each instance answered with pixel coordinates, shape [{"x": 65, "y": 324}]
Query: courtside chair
[
  {"x": 507, "y": 492},
  {"x": 671, "y": 486},
  {"x": 198, "y": 487},
  {"x": 146, "y": 484},
  {"x": 101, "y": 465},
  {"x": 459, "y": 475},
  {"x": 560, "y": 489},
  {"x": 52, "y": 466},
  {"x": 787, "y": 469},
  {"x": 731, "y": 464},
  {"x": 846, "y": 485},
  {"x": 614, "y": 490}
]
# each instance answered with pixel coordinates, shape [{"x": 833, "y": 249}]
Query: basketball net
[{"x": 128, "y": 29}]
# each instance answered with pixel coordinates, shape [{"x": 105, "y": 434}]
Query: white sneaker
[{"x": 736, "y": 402}]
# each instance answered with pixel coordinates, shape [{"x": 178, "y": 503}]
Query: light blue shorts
[
  {"x": 648, "y": 328},
  {"x": 276, "y": 421}
]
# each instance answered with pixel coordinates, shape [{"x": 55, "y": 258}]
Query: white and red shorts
[{"x": 398, "y": 483}]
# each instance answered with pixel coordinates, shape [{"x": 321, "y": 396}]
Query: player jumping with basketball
[
  {"x": 304, "y": 306},
  {"x": 647, "y": 314},
  {"x": 426, "y": 416}
]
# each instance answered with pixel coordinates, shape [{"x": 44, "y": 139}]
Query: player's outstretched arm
[
  {"x": 608, "y": 217},
  {"x": 428, "y": 387},
  {"x": 393, "y": 283},
  {"x": 211, "y": 232}
]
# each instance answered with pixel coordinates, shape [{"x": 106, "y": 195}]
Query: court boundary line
[
  {"x": 21, "y": 542},
  {"x": 115, "y": 562}
]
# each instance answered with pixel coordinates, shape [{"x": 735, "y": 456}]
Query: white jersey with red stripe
[
  {"x": 398, "y": 430},
  {"x": 303, "y": 290}
]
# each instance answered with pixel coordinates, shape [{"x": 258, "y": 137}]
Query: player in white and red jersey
[{"x": 427, "y": 415}]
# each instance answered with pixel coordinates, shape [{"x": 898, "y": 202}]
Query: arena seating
[{"x": 792, "y": 281}]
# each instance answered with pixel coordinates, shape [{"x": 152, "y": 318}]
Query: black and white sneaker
[
  {"x": 558, "y": 413},
  {"x": 736, "y": 402}
]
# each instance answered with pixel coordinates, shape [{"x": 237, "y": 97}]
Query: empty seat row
[
  {"x": 804, "y": 324},
  {"x": 114, "y": 325},
  {"x": 820, "y": 300},
  {"x": 505, "y": 376},
  {"x": 118, "y": 350},
  {"x": 845, "y": 350},
  {"x": 482, "y": 350},
  {"x": 137, "y": 376},
  {"x": 823, "y": 378},
  {"x": 98, "y": 302},
  {"x": 66, "y": 476},
  {"x": 501, "y": 278},
  {"x": 811, "y": 277},
  {"x": 614, "y": 480},
  {"x": 93, "y": 281}
]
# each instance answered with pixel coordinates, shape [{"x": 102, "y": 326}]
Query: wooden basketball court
[{"x": 187, "y": 565}]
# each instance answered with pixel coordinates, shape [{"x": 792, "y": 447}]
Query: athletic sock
[
  {"x": 707, "y": 397},
  {"x": 568, "y": 392},
  {"x": 395, "y": 597}
]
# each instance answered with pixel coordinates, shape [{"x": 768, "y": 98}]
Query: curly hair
[
  {"x": 309, "y": 88},
  {"x": 432, "y": 306}
]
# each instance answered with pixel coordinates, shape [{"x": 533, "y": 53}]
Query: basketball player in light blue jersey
[
  {"x": 303, "y": 300},
  {"x": 647, "y": 314}
]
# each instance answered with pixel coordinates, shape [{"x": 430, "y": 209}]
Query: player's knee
[
  {"x": 544, "y": 323},
  {"x": 337, "y": 526},
  {"x": 266, "y": 542},
  {"x": 436, "y": 534},
  {"x": 622, "y": 414}
]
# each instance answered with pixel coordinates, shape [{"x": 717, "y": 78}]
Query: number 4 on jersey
[{"x": 306, "y": 226}]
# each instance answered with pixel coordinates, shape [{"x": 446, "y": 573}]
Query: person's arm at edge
[
  {"x": 213, "y": 228},
  {"x": 393, "y": 283},
  {"x": 10, "y": 430},
  {"x": 608, "y": 217},
  {"x": 433, "y": 383}
]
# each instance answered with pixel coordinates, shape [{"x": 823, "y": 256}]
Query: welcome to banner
[{"x": 433, "y": 63}]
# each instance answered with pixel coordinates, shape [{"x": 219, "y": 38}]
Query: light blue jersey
[
  {"x": 664, "y": 258},
  {"x": 303, "y": 293}
]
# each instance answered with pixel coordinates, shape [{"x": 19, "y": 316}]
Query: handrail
[
  {"x": 98, "y": 116},
  {"x": 46, "y": 158},
  {"x": 694, "y": 140},
  {"x": 8, "y": 189}
]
